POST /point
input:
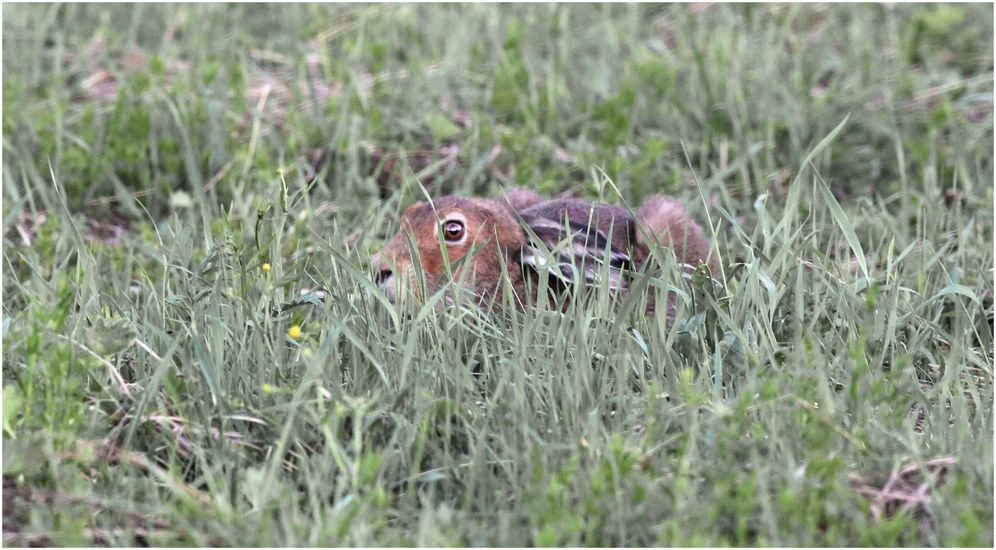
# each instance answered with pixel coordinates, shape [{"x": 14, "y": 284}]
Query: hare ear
[
  {"x": 520, "y": 198},
  {"x": 574, "y": 252}
]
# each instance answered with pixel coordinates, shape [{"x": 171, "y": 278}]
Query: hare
[{"x": 514, "y": 236}]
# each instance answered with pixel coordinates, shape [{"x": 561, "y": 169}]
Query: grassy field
[{"x": 193, "y": 352}]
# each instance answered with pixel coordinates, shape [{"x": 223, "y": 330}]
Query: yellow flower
[
  {"x": 266, "y": 267},
  {"x": 294, "y": 332}
]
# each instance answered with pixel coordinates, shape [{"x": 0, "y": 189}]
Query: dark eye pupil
[{"x": 453, "y": 230}]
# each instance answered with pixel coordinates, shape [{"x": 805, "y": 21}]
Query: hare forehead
[
  {"x": 448, "y": 208},
  {"x": 453, "y": 217},
  {"x": 430, "y": 218},
  {"x": 419, "y": 214}
]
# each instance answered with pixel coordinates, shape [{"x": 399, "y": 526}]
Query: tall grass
[{"x": 184, "y": 184}]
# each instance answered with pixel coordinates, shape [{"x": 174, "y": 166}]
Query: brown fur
[
  {"x": 495, "y": 228},
  {"x": 492, "y": 230},
  {"x": 666, "y": 220},
  {"x": 520, "y": 199}
]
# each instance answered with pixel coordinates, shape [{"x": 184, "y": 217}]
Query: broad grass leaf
[{"x": 845, "y": 225}]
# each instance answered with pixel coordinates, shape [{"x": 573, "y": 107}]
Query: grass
[{"x": 184, "y": 185}]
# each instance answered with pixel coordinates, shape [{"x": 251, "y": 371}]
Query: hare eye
[{"x": 453, "y": 230}]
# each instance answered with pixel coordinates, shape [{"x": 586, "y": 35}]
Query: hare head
[{"x": 471, "y": 236}]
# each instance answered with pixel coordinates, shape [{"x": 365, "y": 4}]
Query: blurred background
[{"x": 165, "y": 102}]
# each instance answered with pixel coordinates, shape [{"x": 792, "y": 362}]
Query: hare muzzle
[{"x": 383, "y": 275}]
